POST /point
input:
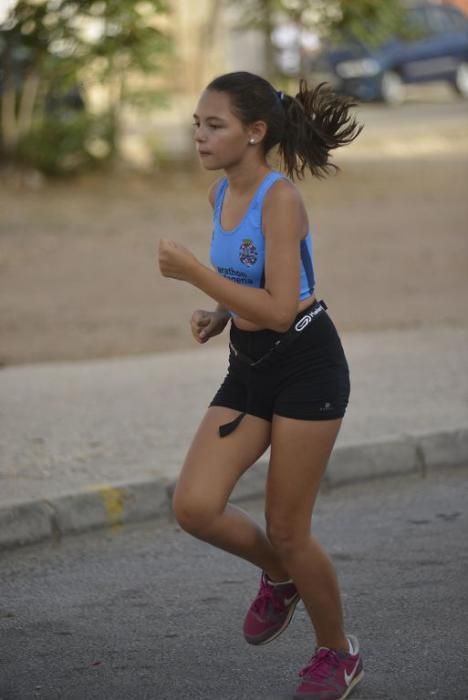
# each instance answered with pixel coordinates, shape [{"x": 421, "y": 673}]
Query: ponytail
[
  {"x": 305, "y": 127},
  {"x": 317, "y": 121}
]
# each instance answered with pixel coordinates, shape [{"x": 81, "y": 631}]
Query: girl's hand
[
  {"x": 206, "y": 324},
  {"x": 175, "y": 260}
]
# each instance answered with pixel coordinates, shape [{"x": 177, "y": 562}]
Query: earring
[{"x": 251, "y": 140}]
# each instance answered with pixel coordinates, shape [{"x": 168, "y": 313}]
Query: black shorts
[{"x": 308, "y": 381}]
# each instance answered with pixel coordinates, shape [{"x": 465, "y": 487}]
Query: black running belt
[
  {"x": 279, "y": 346},
  {"x": 229, "y": 428}
]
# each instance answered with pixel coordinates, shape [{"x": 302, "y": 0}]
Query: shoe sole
[
  {"x": 350, "y": 687},
  {"x": 353, "y": 683},
  {"x": 279, "y": 631}
]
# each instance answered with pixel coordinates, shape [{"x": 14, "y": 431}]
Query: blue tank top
[{"x": 239, "y": 254}]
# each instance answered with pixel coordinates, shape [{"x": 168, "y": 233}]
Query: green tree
[
  {"x": 370, "y": 21},
  {"x": 51, "y": 47}
]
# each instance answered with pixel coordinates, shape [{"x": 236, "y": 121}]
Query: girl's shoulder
[{"x": 283, "y": 192}]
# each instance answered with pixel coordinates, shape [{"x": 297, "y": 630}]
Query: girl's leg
[
  {"x": 299, "y": 454},
  {"x": 212, "y": 467}
]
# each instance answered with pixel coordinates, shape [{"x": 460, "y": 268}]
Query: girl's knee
[{"x": 194, "y": 515}]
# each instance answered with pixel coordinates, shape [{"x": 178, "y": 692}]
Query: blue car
[{"x": 438, "y": 51}]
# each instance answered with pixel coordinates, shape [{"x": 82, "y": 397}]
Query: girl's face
[{"x": 220, "y": 137}]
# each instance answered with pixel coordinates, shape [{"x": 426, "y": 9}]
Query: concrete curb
[{"x": 114, "y": 505}]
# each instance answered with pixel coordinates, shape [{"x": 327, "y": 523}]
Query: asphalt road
[{"x": 147, "y": 612}]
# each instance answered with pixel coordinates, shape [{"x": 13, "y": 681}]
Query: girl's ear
[{"x": 257, "y": 132}]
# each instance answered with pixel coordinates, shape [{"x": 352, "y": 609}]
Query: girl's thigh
[
  {"x": 213, "y": 465},
  {"x": 300, "y": 450}
]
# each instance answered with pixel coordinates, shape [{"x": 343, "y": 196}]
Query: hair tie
[{"x": 280, "y": 95}]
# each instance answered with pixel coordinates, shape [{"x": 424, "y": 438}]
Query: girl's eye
[{"x": 196, "y": 125}]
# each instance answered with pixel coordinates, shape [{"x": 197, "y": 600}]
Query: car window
[
  {"x": 442, "y": 20},
  {"x": 458, "y": 19}
]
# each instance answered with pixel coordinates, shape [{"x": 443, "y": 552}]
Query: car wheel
[
  {"x": 461, "y": 80},
  {"x": 392, "y": 89}
]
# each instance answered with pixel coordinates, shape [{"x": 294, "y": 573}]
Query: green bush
[{"x": 67, "y": 144}]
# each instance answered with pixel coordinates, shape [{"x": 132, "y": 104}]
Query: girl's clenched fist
[
  {"x": 206, "y": 324},
  {"x": 175, "y": 260}
]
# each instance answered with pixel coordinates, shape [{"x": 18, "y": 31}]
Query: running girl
[{"x": 287, "y": 385}]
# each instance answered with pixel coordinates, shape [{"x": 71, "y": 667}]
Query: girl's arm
[{"x": 255, "y": 305}]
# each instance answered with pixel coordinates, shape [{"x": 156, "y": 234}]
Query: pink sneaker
[
  {"x": 331, "y": 674},
  {"x": 271, "y": 611}
]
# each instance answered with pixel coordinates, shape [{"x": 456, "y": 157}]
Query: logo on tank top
[{"x": 248, "y": 252}]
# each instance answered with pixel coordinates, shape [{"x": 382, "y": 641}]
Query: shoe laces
[
  {"x": 320, "y": 664},
  {"x": 267, "y": 595}
]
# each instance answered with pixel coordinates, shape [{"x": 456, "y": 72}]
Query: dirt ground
[{"x": 78, "y": 277}]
